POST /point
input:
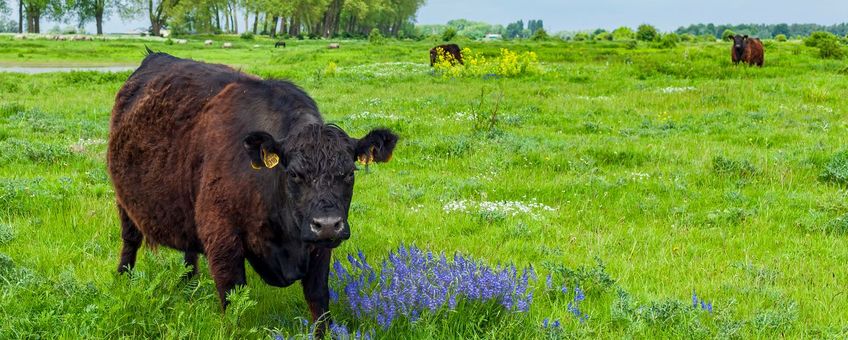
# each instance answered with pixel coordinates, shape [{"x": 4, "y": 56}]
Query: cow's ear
[
  {"x": 376, "y": 146},
  {"x": 263, "y": 150},
  {"x": 745, "y": 37}
]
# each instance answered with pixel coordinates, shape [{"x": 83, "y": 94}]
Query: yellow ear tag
[
  {"x": 367, "y": 158},
  {"x": 270, "y": 159}
]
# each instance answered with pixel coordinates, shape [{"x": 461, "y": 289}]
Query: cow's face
[
  {"x": 739, "y": 42},
  {"x": 317, "y": 164}
]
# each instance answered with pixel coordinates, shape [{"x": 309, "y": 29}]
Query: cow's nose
[{"x": 322, "y": 225}]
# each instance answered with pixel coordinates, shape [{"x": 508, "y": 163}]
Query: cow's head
[
  {"x": 317, "y": 163},
  {"x": 739, "y": 42}
]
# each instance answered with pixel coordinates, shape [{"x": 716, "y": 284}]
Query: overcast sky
[{"x": 564, "y": 15}]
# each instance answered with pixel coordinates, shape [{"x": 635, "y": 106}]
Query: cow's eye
[{"x": 295, "y": 177}]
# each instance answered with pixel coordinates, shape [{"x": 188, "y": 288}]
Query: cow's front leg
[
  {"x": 315, "y": 288},
  {"x": 225, "y": 255}
]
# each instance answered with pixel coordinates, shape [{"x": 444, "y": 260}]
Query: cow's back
[
  {"x": 149, "y": 158},
  {"x": 754, "y": 53}
]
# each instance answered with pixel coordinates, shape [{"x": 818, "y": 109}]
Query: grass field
[{"x": 647, "y": 174}]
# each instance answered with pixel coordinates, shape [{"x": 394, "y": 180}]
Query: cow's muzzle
[{"x": 327, "y": 231}]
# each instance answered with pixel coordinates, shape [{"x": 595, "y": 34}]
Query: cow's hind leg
[{"x": 132, "y": 238}]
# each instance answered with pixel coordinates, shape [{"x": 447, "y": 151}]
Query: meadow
[{"x": 647, "y": 177}]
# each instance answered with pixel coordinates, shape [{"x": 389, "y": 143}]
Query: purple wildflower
[{"x": 412, "y": 281}]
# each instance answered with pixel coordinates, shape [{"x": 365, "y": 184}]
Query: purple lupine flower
[
  {"x": 578, "y": 294},
  {"x": 412, "y": 281},
  {"x": 339, "y": 331},
  {"x": 694, "y": 299},
  {"x": 709, "y": 307},
  {"x": 555, "y": 324},
  {"x": 545, "y": 323}
]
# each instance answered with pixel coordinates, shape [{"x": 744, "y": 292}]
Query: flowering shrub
[
  {"x": 508, "y": 64},
  {"x": 413, "y": 282}
]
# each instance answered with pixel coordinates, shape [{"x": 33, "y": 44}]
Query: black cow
[
  {"x": 206, "y": 159},
  {"x": 449, "y": 52},
  {"x": 280, "y": 43}
]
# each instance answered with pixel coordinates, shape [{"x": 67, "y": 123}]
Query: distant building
[{"x": 492, "y": 36}]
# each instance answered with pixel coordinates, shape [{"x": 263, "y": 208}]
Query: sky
[{"x": 576, "y": 15}]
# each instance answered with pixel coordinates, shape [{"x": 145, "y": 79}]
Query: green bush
[
  {"x": 623, "y": 33},
  {"x": 540, "y": 35},
  {"x": 375, "y": 37},
  {"x": 603, "y": 36},
  {"x": 727, "y": 34},
  {"x": 169, "y": 41},
  {"x": 582, "y": 36},
  {"x": 646, "y": 32},
  {"x": 449, "y": 34},
  {"x": 669, "y": 40},
  {"x": 246, "y": 36},
  {"x": 827, "y": 43},
  {"x": 688, "y": 37},
  {"x": 780, "y": 37}
]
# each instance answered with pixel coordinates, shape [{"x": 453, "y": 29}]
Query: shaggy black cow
[
  {"x": 280, "y": 43},
  {"x": 449, "y": 51},
  {"x": 748, "y": 50},
  {"x": 208, "y": 160}
]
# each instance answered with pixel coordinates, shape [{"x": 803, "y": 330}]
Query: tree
[
  {"x": 158, "y": 12},
  {"x": 623, "y": 33},
  {"x": 86, "y": 10},
  {"x": 727, "y": 34},
  {"x": 646, "y": 32},
  {"x": 35, "y": 9},
  {"x": 515, "y": 29}
]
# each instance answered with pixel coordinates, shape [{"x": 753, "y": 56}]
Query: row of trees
[
  {"x": 765, "y": 30},
  {"x": 308, "y": 17},
  {"x": 477, "y": 30}
]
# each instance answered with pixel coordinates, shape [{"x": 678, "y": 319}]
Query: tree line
[
  {"x": 477, "y": 30},
  {"x": 765, "y": 30},
  {"x": 314, "y": 18}
]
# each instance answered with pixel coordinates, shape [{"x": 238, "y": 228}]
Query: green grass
[{"x": 676, "y": 170}]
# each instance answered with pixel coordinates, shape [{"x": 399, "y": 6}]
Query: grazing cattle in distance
[
  {"x": 208, "y": 160},
  {"x": 280, "y": 43},
  {"x": 333, "y": 46},
  {"x": 448, "y": 51},
  {"x": 227, "y": 45},
  {"x": 207, "y": 43},
  {"x": 747, "y": 50}
]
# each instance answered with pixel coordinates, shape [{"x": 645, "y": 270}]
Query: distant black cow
[
  {"x": 208, "y": 160},
  {"x": 280, "y": 43},
  {"x": 747, "y": 50},
  {"x": 448, "y": 51}
]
